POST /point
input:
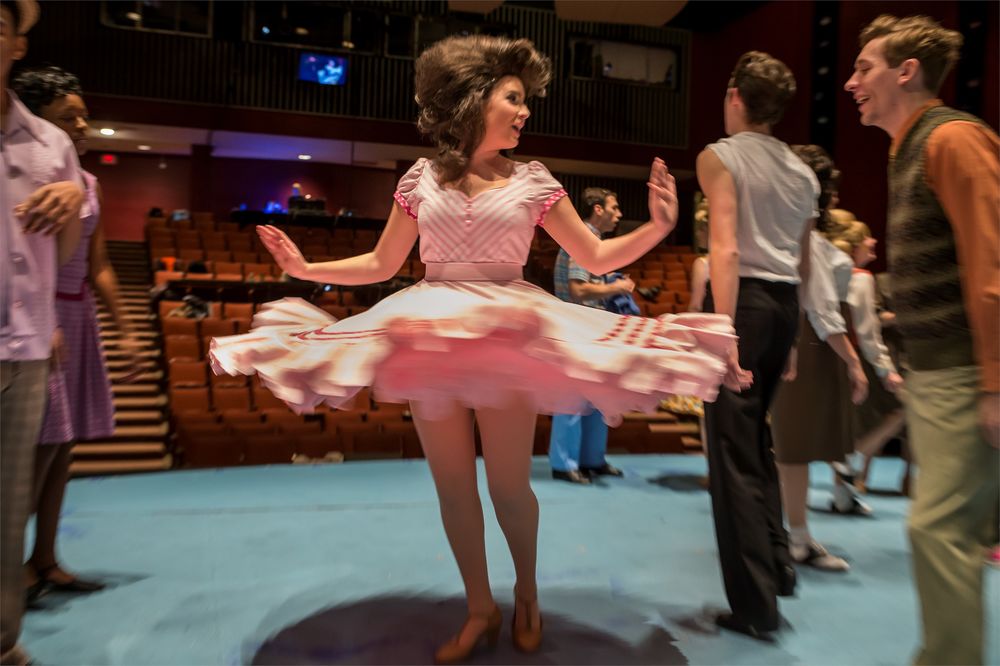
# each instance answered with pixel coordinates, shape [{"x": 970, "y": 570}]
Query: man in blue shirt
[{"x": 579, "y": 442}]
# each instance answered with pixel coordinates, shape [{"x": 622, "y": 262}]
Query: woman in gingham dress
[
  {"x": 474, "y": 340},
  {"x": 80, "y": 401}
]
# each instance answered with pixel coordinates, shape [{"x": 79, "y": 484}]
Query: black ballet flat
[
  {"x": 607, "y": 469},
  {"x": 36, "y": 591},
  {"x": 77, "y": 586},
  {"x": 572, "y": 476}
]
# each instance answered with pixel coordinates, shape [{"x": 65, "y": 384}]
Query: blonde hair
[
  {"x": 454, "y": 79},
  {"x": 841, "y": 216},
  {"x": 851, "y": 236},
  {"x": 918, "y": 37}
]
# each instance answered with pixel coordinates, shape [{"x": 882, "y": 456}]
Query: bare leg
[
  {"x": 508, "y": 436},
  {"x": 44, "y": 459},
  {"x": 871, "y": 443},
  {"x": 449, "y": 446},
  {"x": 794, "y": 493},
  {"x": 51, "y": 476}
]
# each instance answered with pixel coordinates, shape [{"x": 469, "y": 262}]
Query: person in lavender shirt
[
  {"x": 80, "y": 402},
  {"x": 40, "y": 207}
]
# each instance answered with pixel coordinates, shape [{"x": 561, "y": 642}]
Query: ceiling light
[
  {"x": 107, "y": 131},
  {"x": 305, "y": 157},
  {"x": 133, "y": 16},
  {"x": 143, "y": 147},
  {"x": 265, "y": 30},
  {"x": 301, "y": 31}
]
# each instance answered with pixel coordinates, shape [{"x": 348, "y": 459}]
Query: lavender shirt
[{"x": 33, "y": 153}]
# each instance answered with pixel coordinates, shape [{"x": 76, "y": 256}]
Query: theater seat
[
  {"x": 237, "y": 310},
  {"x": 194, "y": 399},
  {"x": 182, "y": 372},
  {"x": 264, "y": 399},
  {"x": 268, "y": 449},
  {"x": 179, "y": 326},
  {"x": 182, "y": 346},
  {"x": 316, "y": 445},
  {"x": 226, "y": 396},
  {"x": 216, "y": 450}
]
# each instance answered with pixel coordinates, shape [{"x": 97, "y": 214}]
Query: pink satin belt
[{"x": 484, "y": 272}]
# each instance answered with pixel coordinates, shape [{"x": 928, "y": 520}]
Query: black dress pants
[{"x": 743, "y": 480}]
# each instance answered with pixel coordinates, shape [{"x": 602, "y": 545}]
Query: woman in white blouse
[
  {"x": 880, "y": 417},
  {"x": 812, "y": 415}
]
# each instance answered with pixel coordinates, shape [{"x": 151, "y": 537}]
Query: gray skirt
[{"x": 812, "y": 418}]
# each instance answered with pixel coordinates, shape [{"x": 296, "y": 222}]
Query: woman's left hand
[{"x": 662, "y": 196}]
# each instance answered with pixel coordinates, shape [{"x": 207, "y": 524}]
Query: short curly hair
[
  {"x": 919, "y": 37},
  {"x": 828, "y": 175},
  {"x": 765, "y": 84},
  {"x": 40, "y": 86},
  {"x": 454, "y": 78}
]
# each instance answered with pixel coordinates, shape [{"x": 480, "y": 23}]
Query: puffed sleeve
[
  {"x": 819, "y": 297},
  {"x": 544, "y": 192},
  {"x": 407, "y": 193},
  {"x": 867, "y": 329}
]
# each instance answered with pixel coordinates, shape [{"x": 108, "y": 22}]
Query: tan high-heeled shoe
[
  {"x": 454, "y": 652},
  {"x": 528, "y": 639}
]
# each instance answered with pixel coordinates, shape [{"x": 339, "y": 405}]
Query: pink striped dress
[
  {"x": 80, "y": 404},
  {"x": 473, "y": 331}
]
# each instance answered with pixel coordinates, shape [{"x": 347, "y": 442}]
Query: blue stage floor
[{"x": 348, "y": 563}]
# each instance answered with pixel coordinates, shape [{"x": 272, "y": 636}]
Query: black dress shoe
[
  {"x": 606, "y": 469},
  {"x": 786, "y": 580},
  {"x": 729, "y": 622},
  {"x": 572, "y": 476}
]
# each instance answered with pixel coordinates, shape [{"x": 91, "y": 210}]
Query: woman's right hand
[
  {"x": 893, "y": 382},
  {"x": 284, "y": 251},
  {"x": 859, "y": 383},
  {"x": 791, "y": 366}
]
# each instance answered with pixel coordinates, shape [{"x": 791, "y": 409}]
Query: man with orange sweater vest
[{"x": 944, "y": 262}]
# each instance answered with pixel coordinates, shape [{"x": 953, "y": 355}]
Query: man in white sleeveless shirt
[{"x": 761, "y": 200}]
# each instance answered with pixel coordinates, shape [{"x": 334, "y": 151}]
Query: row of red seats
[{"x": 221, "y": 426}]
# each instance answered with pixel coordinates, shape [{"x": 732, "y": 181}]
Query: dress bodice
[{"x": 495, "y": 226}]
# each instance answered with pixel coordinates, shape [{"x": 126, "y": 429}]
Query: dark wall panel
[{"x": 245, "y": 74}]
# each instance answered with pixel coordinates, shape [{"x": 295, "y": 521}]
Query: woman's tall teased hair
[
  {"x": 40, "y": 86},
  {"x": 454, "y": 78},
  {"x": 918, "y": 37},
  {"x": 766, "y": 86},
  {"x": 828, "y": 175}
]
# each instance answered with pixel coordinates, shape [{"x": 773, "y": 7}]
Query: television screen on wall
[{"x": 328, "y": 70}]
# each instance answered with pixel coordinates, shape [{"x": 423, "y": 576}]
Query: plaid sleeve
[{"x": 577, "y": 272}]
